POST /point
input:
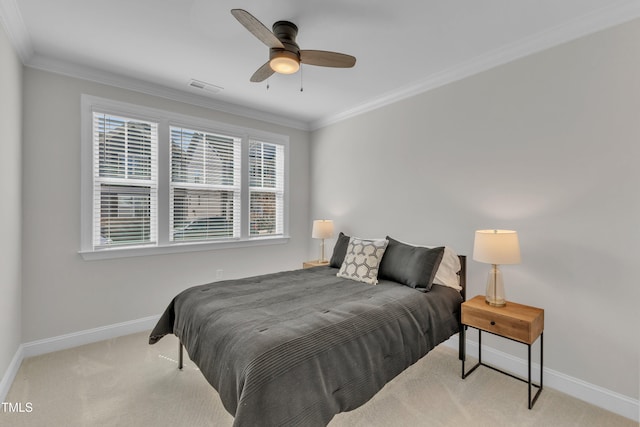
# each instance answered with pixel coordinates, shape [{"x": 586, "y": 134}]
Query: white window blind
[
  {"x": 266, "y": 189},
  {"x": 124, "y": 181},
  {"x": 205, "y": 192}
]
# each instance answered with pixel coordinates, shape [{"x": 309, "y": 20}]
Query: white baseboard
[
  {"x": 598, "y": 396},
  {"x": 75, "y": 339},
  {"x": 10, "y": 375}
]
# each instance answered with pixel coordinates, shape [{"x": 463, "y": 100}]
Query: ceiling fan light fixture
[{"x": 284, "y": 62}]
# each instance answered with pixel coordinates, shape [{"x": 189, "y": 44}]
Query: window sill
[{"x": 179, "y": 248}]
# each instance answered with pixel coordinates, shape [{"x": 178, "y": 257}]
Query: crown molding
[
  {"x": 124, "y": 82},
  {"x": 11, "y": 20},
  {"x": 615, "y": 14}
]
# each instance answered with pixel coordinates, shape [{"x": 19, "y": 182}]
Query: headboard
[
  {"x": 463, "y": 292},
  {"x": 463, "y": 276}
]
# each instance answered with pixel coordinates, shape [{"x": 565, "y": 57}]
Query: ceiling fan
[{"x": 285, "y": 55}]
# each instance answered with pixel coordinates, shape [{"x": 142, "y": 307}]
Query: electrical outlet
[{"x": 219, "y": 274}]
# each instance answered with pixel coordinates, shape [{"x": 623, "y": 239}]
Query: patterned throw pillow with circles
[{"x": 362, "y": 260}]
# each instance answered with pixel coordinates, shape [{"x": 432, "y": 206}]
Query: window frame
[
  {"x": 165, "y": 120},
  {"x": 278, "y": 185}
]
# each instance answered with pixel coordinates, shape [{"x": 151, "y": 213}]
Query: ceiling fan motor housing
[
  {"x": 287, "y": 60},
  {"x": 286, "y": 32}
]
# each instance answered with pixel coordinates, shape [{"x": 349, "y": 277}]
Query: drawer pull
[{"x": 493, "y": 323}]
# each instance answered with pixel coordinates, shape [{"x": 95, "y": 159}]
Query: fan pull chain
[{"x": 301, "y": 88}]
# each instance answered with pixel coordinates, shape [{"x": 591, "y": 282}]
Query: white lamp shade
[
  {"x": 496, "y": 247},
  {"x": 322, "y": 229}
]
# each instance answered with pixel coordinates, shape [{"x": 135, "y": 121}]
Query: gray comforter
[{"x": 298, "y": 347}]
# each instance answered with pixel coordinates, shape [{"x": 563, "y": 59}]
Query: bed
[{"x": 297, "y": 347}]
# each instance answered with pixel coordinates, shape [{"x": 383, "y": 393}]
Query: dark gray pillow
[
  {"x": 339, "y": 251},
  {"x": 413, "y": 266}
]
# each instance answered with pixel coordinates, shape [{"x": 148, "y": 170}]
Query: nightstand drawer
[
  {"x": 507, "y": 327},
  {"x": 515, "y": 321}
]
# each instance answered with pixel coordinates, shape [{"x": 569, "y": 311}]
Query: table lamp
[
  {"x": 322, "y": 229},
  {"x": 496, "y": 247}
]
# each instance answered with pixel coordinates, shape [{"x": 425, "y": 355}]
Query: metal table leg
[{"x": 530, "y": 384}]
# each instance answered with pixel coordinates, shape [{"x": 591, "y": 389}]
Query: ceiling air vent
[{"x": 198, "y": 84}]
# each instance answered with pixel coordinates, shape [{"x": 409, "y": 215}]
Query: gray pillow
[
  {"x": 413, "y": 266},
  {"x": 339, "y": 251}
]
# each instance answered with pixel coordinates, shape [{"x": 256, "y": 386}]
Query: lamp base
[
  {"x": 494, "y": 295},
  {"x": 496, "y": 304},
  {"x": 321, "y": 260}
]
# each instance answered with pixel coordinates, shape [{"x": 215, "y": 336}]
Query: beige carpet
[{"x": 126, "y": 382}]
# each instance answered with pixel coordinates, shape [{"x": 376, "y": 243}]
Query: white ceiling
[{"x": 402, "y": 47}]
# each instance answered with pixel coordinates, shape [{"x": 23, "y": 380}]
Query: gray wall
[
  {"x": 547, "y": 145},
  {"x": 62, "y": 293},
  {"x": 11, "y": 211}
]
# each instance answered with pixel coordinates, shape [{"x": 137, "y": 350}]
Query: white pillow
[
  {"x": 362, "y": 260},
  {"x": 447, "y": 274}
]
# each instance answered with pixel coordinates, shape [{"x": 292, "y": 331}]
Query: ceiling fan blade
[
  {"x": 327, "y": 59},
  {"x": 262, "y": 73},
  {"x": 257, "y": 28}
]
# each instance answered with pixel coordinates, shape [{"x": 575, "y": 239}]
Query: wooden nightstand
[
  {"x": 516, "y": 322},
  {"x": 316, "y": 263}
]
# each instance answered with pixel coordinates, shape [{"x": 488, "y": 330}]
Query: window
[
  {"x": 160, "y": 182},
  {"x": 124, "y": 181},
  {"x": 205, "y": 185},
  {"x": 266, "y": 191}
]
